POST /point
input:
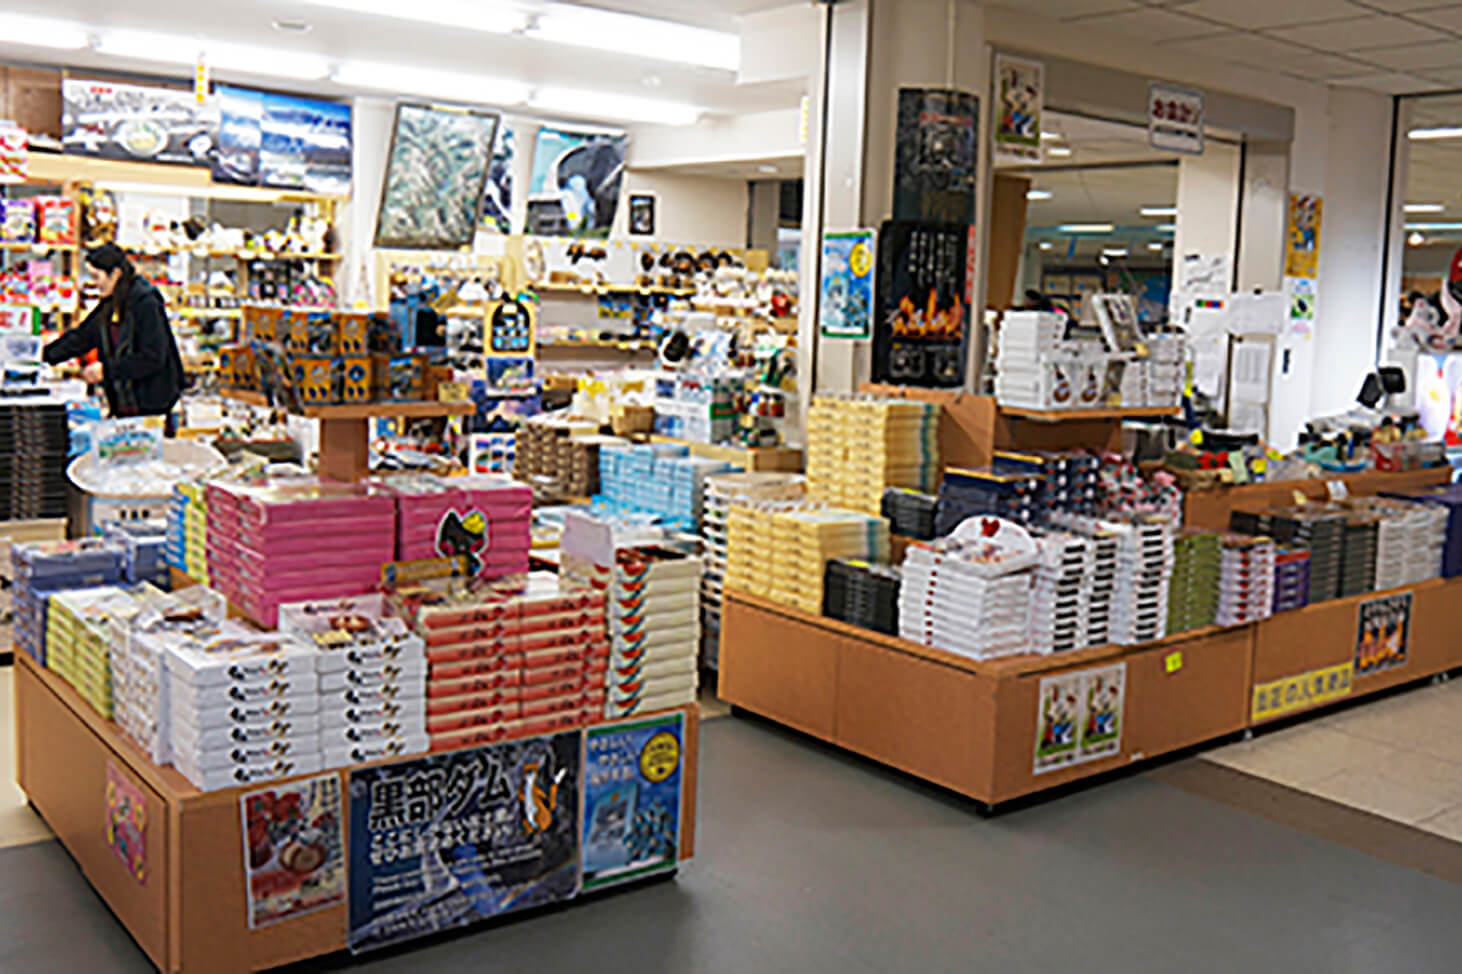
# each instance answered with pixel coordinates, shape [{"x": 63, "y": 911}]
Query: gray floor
[{"x": 812, "y": 861}]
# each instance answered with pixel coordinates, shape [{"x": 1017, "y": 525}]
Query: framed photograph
[
  {"x": 436, "y": 172},
  {"x": 642, "y": 215}
]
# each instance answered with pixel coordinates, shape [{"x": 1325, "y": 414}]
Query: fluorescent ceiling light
[
  {"x": 1424, "y": 207},
  {"x": 1085, "y": 228},
  {"x": 1050, "y": 136},
  {"x": 767, "y": 169},
  {"x": 1434, "y": 227},
  {"x": 147, "y": 46},
  {"x": 646, "y": 37},
  {"x": 212, "y": 191},
  {"x": 1059, "y": 151},
  {"x": 1046, "y": 245},
  {"x": 1114, "y": 252},
  {"x": 597, "y": 104},
  {"x": 469, "y": 88},
  {"x": 479, "y": 15},
  {"x": 1038, "y": 194},
  {"x": 178, "y": 49},
  {"x": 58, "y": 35},
  {"x": 1158, "y": 211},
  {"x": 1155, "y": 246},
  {"x": 1166, "y": 228},
  {"x": 1430, "y": 135}
]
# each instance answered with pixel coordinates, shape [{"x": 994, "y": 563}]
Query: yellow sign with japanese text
[{"x": 1302, "y": 691}]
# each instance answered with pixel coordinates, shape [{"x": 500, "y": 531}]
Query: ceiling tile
[
  {"x": 1447, "y": 18},
  {"x": 1388, "y": 82},
  {"x": 1251, "y": 49},
  {"x": 1262, "y": 14},
  {"x": 1067, "y": 9},
  {"x": 1147, "y": 24},
  {"x": 1446, "y": 76},
  {"x": 1320, "y": 67},
  {"x": 1403, "y": 6},
  {"x": 1358, "y": 34},
  {"x": 1417, "y": 57}
]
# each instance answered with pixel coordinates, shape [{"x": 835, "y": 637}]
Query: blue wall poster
[
  {"x": 443, "y": 841},
  {"x": 846, "y": 308},
  {"x": 632, "y": 799}
]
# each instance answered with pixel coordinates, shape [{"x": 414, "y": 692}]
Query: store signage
[
  {"x": 1303, "y": 691},
  {"x": 1175, "y": 119},
  {"x": 1382, "y": 634},
  {"x": 1302, "y": 240},
  {"x": 127, "y": 823},
  {"x": 443, "y": 841},
  {"x": 1079, "y": 717},
  {"x": 920, "y": 325},
  {"x": 633, "y": 774},
  {"x": 936, "y": 161},
  {"x": 137, "y": 123},
  {"x": 14, "y": 153},
  {"x": 294, "y": 849},
  {"x": 1019, "y": 98},
  {"x": 846, "y": 308}
]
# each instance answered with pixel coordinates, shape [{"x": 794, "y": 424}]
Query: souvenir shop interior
[{"x": 517, "y": 426}]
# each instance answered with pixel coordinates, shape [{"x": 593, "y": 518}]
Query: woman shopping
[{"x": 139, "y": 366}]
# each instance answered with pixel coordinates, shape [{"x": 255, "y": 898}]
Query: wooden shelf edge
[
  {"x": 369, "y": 410},
  {"x": 1087, "y": 415}
]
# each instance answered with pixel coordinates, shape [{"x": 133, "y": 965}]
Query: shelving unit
[{"x": 1089, "y": 415}]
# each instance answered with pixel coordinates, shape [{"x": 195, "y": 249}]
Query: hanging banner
[
  {"x": 1079, "y": 717},
  {"x": 1019, "y": 97},
  {"x": 127, "y": 823},
  {"x": 1382, "y": 634},
  {"x": 1301, "y": 292},
  {"x": 846, "y": 308},
  {"x": 632, "y": 800},
  {"x": 1302, "y": 242},
  {"x": 294, "y": 849},
  {"x": 1175, "y": 119},
  {"x": 919, "y": 329},
  {"x": 937, "y": 160},
  {"x": 444, "y": 841},
  {"x": 14, "y": 153}
]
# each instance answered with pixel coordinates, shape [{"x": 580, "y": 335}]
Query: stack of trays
[
  {"x": 486, "y": 519},
  {"x": 956, "y": 598},
  {"x": 525, "y": 656},
  {"x": 1144, "y": 567},
  {"x": 722, "y": 493},
  {"x": 372, "y": 673},
  {"x": 1059, "y": 593},
  {"x": 187, "y": 542},
  {"x": 144, "y": 546},
  {"x": 45, "y": 567},
  {"x": 1070, "y": 482},
  {"x": 80, "y": 626},
  {"x": 910, "y": 513},
  {"x": 1193, "y": 595},
  {"x": 967, "y": 493},
  {"x": 34, "y": 444},
  {"x": 1246, "y": 583},
  {"x": 1358, "y": 554},
  {"x": 269, "y": 546},
  {"x": 1449, "y": 498},
  {"x": 654, "y": 619},
  {"x": 804, "y": 541},
  {"x": 862, "y": 594},
  {"x": 243, "y": 707},
  {"x": 858, "y": 447},
  {"x": 1291, "y": 579}
]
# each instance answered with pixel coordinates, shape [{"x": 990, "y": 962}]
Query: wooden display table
[
  {"x": 189, "y": 914},
  {"x": 1210, "y": 509}
]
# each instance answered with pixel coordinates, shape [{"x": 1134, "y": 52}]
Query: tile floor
[{"x": 1399, "y": 757}]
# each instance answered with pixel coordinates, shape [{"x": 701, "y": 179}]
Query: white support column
[
  {"x": 1208, "y": 203},
  {"x": 1265, "y": 209}
]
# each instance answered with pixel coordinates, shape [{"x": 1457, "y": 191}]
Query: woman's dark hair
[{"x": 109, "y": 257}]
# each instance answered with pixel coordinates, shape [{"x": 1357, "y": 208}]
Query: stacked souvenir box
[
  {"x": 1393, "y": 541},
  {"x": 968, "y": 493},
  {"x": 1144, "y": 567},
  {"x": 1165, "y": 371},
  {"x": 804, "y": 541},
  {"x": 80, "y": 626},
  {"x": 14, "y": 533},
  {"x": 1246, "y": 580},
  {"x": 46, "y": 567},
  {"x": 1318, "y": 531},
  {"x": 269, "y": 546},
  {"x": 187, "y": 542},
  {"x": 654, "y": 614},
  {"x": 751, "y": 546},
  {"x": 144, "y": 546},
  {"x": 543, "y": 450},
  {"x": 521, "y": 657},
  {"x": 1411, "y": 540},
  {"x": 1449, "y": 499},
  {"x": 1291, "y": 579},
  {"x": 1058, "y": 593},
  {"x": 243, "y": 706},
  {"x": 659, "y": 479},
  {"x": 862, "y": 594},
  {"x": 489, "y": 520},
  {"x": 910, "y": 513},
  {"x": 34, "y": 445},
  {"x": 140, "y": 684},
  {"x": 858, "y": 447},
  {"x": 699, "y": 408},
  {"x": 1025, "y": 374},
  {"x": 1193, "y": 593},
  {"x": 722, "y": 493},
  {"x": 580, "y": 477},
  {"x": 1358, "y": 554},
  {"x": 1069, "y": 481},
  {"x": 372, "y": 672},
  {"x": 959, "y": 597},
  {"x": 1099, "y": 587}
]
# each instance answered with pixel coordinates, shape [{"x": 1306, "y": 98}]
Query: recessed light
[
  {"x": 652, "y": 81},
  {"x": 1050, "y": 136},
  {"x": 1424, "y": 207},
  {"x": 1046, "y": 245},
  {"x": 1158, "y": 211},
  {"x": 1155, "y": 247},
  {"x": 1059, "y": 151},
  {"x": 1416, "y": 239},
  {"x": 766, "y": 169},
  {"x": 1038, "y": 194},
  {"x": 1085, "y": 228},
  {"x": 1114, "y": 252},
  {"x": 293, "y": 26}
]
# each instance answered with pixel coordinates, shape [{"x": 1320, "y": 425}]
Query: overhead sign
[{"x": 1175, "y": 119}]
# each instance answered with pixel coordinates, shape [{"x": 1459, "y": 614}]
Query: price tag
[
  {"x": 1338, "y": 490},
  {"x": 1300, "y": 500},
  {"x": 453, "y": 392},
  {"x": 1196, "y": 437},
  {"x": 1173, "y": 663}
]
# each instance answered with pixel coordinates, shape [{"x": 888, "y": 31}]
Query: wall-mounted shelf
[
  {"x": 39, "y": 248},
  {"x": 1089, "y": 415}
]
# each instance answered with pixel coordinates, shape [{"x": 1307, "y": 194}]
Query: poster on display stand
[
  {"x": 937, "y": 161},
  {"x": 920, "y": 327},
  {"x": 1019, "y": 98},
  {"x": 443, "y": 841},
  {"x": 1302, "y": 239},
  {"x": 846, "y": 308},
  {"x": 633, "y": 774},
  {"x": 294, "y": 849}
]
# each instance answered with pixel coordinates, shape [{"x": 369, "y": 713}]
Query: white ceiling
[
  {"x": 343, "y": 35},
  {"x": 1114, "y": 196},
  {"x": 1391, "y": 46},
  {"x": 1434, "y": 173}
]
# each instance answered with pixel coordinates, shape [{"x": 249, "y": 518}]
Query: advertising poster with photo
[
  {"x": 920, "y": 335},
  {"x": 127, "y": 823},
  {"x": 1302, "y": 240},
  {"x": 632, "y": 799},
  {"x": 1103, "y": 707},
  {"x": 436, "y": 172},
  {"x": 282, "y": 141},
  {"x": 1079, "y": 717},
  {"x": 1058, "y": 721},
  {"x": 294, "y": 849},
  {"x": 443, "y": 841},
  {"x": 577, "y": 178},
  {"x": 240, "y": 133},
  {"x": 1019, "y": 99},
  {"x": 138, "y": 123},
  {"x": 937, "y": 160},
  {"x": 1382, "y": 634},
  {"x": 497, "y": 195},
  {"x": 846, "y": 308}
]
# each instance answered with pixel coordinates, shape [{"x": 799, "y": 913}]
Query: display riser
[
  {"x": 971, "y": 726},
  {"x": 189, "y": 915}
]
